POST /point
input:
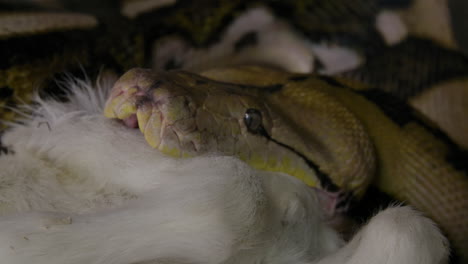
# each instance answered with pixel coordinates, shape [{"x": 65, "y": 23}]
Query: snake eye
[{"x": 253, "y": 120}]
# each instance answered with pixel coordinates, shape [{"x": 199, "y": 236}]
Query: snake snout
[
  {"x": 164, "y": 114},
  {"x": 136, "y": 99}
]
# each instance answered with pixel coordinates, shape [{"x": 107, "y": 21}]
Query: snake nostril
[
  {"x": 142, "y": 100},
  {"x": 156, "y": 84}
]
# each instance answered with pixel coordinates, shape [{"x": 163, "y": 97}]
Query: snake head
[
  {"x": 294, "y": 129},
  {"x": 182, "y": 114}
]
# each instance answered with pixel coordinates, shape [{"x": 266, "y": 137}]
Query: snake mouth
[
  {"x": 131, "y": 105},
  {"x": 131, "y": 121}
]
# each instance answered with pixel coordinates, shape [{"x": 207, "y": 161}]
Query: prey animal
[{"x": 77, "y": 187}]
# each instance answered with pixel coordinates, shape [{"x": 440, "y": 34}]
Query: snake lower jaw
[{"x": 146, "y": 118}]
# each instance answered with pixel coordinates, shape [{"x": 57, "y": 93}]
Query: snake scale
[{"x": 369, "y": 125}]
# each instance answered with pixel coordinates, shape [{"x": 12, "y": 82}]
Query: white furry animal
[{"x": 77, "y": 188}]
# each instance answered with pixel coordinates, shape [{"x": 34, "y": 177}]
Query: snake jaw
[{"x": 129, "y": 101}]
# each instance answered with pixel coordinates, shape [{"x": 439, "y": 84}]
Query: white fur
[
  {"x": 391, "y": 27},
  {"x": 289, "y": 51},
  {"x": 82, "y": 189},
  {"x": 278, "y": 45}
]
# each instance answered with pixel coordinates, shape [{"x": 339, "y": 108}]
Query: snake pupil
[{"x": 253, "y": 120}]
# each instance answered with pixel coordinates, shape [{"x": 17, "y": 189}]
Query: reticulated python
[{"x": 330, "y": 132}]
